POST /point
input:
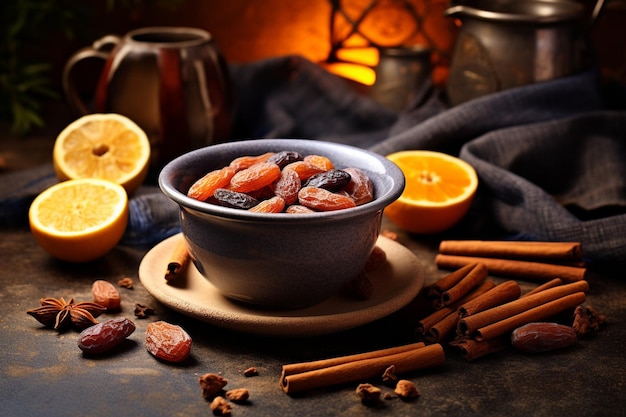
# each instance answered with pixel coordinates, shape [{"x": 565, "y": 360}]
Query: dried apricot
[
  {"x": 271, "y": 205},
  {"x": 360, "y": 187},
  {"x": 168, "y": 342},
  {"x": 322, "y": 162},
  {"x": 254, "y": 177},
  {"x": 244, "y": 162},
  {"x": 206, "y": 186},
  {"x": 298, "y": 209},
  {"x": 103, "y": 337},
  {"x": 324, "y": 200},
  {"x": 304, "y": 169}
]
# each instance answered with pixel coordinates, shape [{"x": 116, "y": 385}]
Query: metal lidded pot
[{"x": 510, "y": 43}]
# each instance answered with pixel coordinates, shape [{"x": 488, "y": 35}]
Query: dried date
[
  {"x": 103, "y": 337},
  {"x": 360, "y": 187},
  {"x": 542, "y": 337},
  {"x": 105, "y": 294},
  {"x": 168, "y": 342},
  {"x": 287, "y": 186}
]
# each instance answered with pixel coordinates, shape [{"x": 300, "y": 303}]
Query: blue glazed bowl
[{"x": 279, "y": 260}]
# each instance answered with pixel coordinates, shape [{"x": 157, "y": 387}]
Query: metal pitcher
[
  {"x": 172, "y": 81},
  {"x": 509, "y": 43}
]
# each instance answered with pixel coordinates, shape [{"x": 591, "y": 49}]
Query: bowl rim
[{"x": 391, "y": 170}]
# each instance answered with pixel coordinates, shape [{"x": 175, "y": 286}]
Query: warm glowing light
[
  {"x": 359, "y": 73},
  {"x": 364, "y": 56}
]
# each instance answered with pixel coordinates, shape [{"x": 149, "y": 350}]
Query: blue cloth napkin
[{"x": 551, "y": 156}]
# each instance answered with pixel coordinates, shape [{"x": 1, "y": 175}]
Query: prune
[
  {"x": 331, "y": 180},
  {"x": 233, "y": 199},
  {"x": 284, "y": 158}
]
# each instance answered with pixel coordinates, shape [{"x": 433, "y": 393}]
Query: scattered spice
[
  {"x": 59, "y": 314},
  {"x": 238, "y": 395},
  {"x": 406, "y": 390},
  {"x": 587, "y": 320},
  {"x": 368, "y": 393},
  {"x": 389, "y": 376},
  {"x": 252, "y": 371},
  {"x": 211, "y": 384},
  {"x": 126, "y": 283},
  {"x": 142, "y": 311},
  {"x": 220, "y": 406}
]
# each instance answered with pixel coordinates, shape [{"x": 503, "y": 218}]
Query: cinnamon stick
[
  {"x": 424, "y": 325},
  {"x": 469, "y": 281},
  {"x": 434, "y": 290},
  {"x": 514, "y": 268},
  {"x": 407, "y": 361},
  {"x": 571, "y": 251},
  {"x": 500, "y": 294},
  {"x": 546, "y": 285},
  {"x": 300, "y": 367},
  {"x": 178, "y": 260},
  {"x": 468, "y": 325},
  {"x": 473, "y": 349},
  {"x": 538, "y": 313}
]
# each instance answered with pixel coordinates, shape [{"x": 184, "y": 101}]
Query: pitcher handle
[{"x": 100, "y": 49}]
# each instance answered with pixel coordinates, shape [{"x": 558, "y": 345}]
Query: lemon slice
[
  {"x": 79, "y": 220},
  {"x": 107, "y": 146},
  {"x": 438, "y": 193}
]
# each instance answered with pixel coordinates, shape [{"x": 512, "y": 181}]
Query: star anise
[{"x": 59, "y": 314}]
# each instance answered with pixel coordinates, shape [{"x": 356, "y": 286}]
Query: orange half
[{"x": 438, "y": 193}]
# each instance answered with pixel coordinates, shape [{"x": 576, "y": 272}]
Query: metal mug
[
  {"x": 503, "y": 44},
  {"x": 399, "y": 73},
  {"x": 172, "y": 81}
]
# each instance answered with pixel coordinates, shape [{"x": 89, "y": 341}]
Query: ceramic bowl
[{"x": 279, "y": 260}]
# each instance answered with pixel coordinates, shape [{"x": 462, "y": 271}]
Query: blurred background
[{"x": 38, "y": 36}]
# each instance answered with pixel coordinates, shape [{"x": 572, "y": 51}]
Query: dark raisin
[
  {"x": 331, "y": 180},
  {"x": 285, "y": 157},
  {"x": 233, "y": 199}
]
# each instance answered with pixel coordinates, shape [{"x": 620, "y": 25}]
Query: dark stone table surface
[{"x": 43, "y": 373}]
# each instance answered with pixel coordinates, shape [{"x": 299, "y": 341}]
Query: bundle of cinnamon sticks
[
  {"x": 476, "y": 315},
  {"x": 304, "y": 376},
  {"x": 537, "y": 261}
]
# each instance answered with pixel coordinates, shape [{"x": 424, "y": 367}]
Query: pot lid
[{"x": 530, "y": 11}]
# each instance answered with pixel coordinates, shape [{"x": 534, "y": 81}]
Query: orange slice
[
  {"x": 79, "y": 220},
  {"x": 107, "y": 146},
  {"x": 438, "y": 193}
]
